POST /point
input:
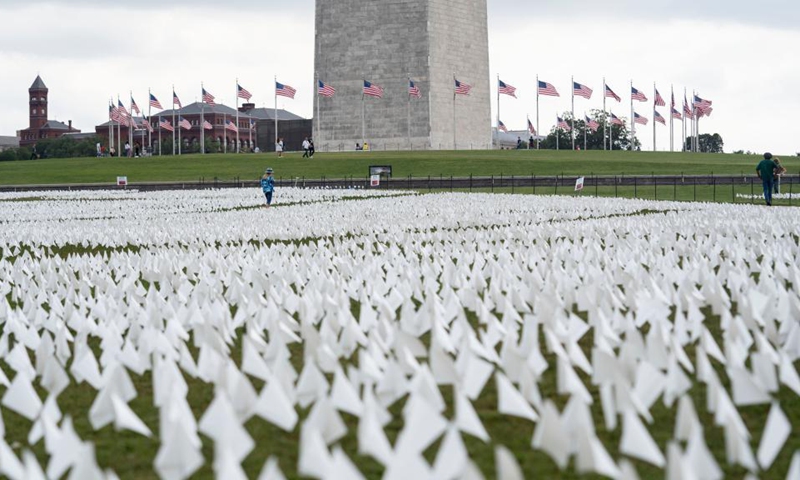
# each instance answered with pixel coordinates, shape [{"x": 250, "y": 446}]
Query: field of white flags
[{"x": 348, "y": 334}]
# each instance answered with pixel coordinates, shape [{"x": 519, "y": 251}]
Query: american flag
[
  {"x": 134, "y": 107},
  {"x": 148, "y": 126},
  {"x": 252, "y": 124},
  {"x": 686, "y": 110},
  {"x": 703, "y": 106},
  {"x": 284, "y": 90},
  {"x": 207, "y": 126},
  {"x": 324, "y": 89},
  {"x": 242, "y": 93},
  {"x": 462, "y": 88},
  {"x": 637, "y": 95},
  {"x": 616, "y": 121},
  {"x": 660, "y": 101},
  {"x": 672, "y": 102},
  {"x": 610, "y": 94},
  {"x": 562, "y": 124},
  {"x": 639, "y": 119},
  {"x": 154, "y": 102},
  {"x": 581, "y": 90},
  {"x": 501, "y": 126},
  {"x": 230, "y": 126},
  {"x": 506, "y": 89},
  {"x": 176, "y": 100},
  {"x": 208, "y": 98},
  {"x": 166, "y": 125},
  {"x": 121, "y": 109},
  {"x": 184, "y": 123},
  {"x": 676, "y": 114},
  {"x": 547, "y": 89},
  {"x": 113, "y": 112},
  {"x": 413, "y": 89},
  {"x": 530, "y": 127},
  {"x": 591, "y": 124},
  {"x": 658, "y": 118},
  {"x": 372, "y": 90}
]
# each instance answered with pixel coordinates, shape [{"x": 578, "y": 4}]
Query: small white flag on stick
[{"x": 579, "y": 184}]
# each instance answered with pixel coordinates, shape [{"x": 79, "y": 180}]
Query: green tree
[
  {"x": 620, "y": 136},
  {"x": 707, "y": 143}
]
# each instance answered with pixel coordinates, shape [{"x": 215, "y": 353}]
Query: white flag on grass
[{"x": 579, "y": 184}]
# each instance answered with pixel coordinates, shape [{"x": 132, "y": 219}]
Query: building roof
[
  {"x": 196, "y": 108},
  {"x": 269, "y": 114},
  {"x": 38, "y": 84},
  {"x": 6, "y": 141},
  {"x": 80, "y": 136},
  {"x": 54, "y": 125}
]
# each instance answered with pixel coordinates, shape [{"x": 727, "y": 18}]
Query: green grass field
[{"x": 339, "y": 165}]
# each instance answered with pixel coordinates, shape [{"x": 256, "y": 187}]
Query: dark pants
[
  {"x": 768, "y": 186},
  {"x": 305, "y": 153},
  {"x": 269, "y": 197}
]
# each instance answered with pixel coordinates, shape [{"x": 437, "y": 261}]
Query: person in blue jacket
[{"x": 268, "y": 186}]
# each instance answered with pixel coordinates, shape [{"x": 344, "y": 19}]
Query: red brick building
[{"x": 40, "y": 127}]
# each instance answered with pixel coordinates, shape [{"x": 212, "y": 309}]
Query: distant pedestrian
[
  {"x": 779, "y": 171},
  {"x": 311, "y": 149},
  {"x": 34, "y": 154},
  {"x": 279, "y": 147},
  {"x": 127, "y": 149},
  {"x": 530, "y": 142},
  {"x": 519, "y": 143},
  {"x": 766, "y": 171},
  {"x": 306, "y": 146},
  {"x": 268, "y": 186}
]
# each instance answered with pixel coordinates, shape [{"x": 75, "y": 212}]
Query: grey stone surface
[{"x": 386, "y": 42}]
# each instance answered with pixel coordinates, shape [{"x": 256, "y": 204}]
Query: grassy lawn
[{"x": 339, "y": 165}]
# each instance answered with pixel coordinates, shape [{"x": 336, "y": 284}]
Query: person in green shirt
[{"x": 765, "y": 170}]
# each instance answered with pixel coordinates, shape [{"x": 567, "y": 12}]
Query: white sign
[
  {"x": 579, "y": 184},
  {"x": 122, "y": 181},
  {"x": 374, "y": 180}
]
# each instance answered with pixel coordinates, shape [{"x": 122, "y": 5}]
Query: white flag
[{"x": 579, "y": 184}]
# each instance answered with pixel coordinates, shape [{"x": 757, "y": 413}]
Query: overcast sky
[{"x": 739, "y": 54}]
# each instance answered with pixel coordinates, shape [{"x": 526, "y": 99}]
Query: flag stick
[
  {"x": 585, "y": 128},
  {"x": 149, "y": 119},
  {"x": 276, "y": 114},
  {"x": 572, "y": 132},
  {"x": 498, "y": 104},
  {"x": 408, "y": 119},
  {"x": 633, "y": 123},
  {"x": 537, "y": 112},
  {"x": 654, "y": 116},
  {"x": 317, "y": 99},
  {"x": 363, "y": 113},
  {"x": 130, "y": 126},
  {"x": 237, "y": 117},
  {"x": 202, "y": 121},
  {"x": 605, "y": 114},
  {"x": 454, "y": 111},
  {"x": 173, "y": 119},
  {"x": 558, "y": 127},
  {"x": 110, "y": 127}
]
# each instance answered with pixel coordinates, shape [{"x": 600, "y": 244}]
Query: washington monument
[{"x": 388, "y": 43}]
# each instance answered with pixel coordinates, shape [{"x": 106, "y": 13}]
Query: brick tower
[
  {"x": 38, "y": 104},
  {"x": 386, "y": 42}
]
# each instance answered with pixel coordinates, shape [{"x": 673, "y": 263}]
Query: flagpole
[
  {"x": 685, "y": 106},
  {"x": 633, "y": 123},
  {"x": 317, "y": 99},
  {"x": 276, "y": 113},
  {"x": 224, "y": 132},
  {"x": 408, "y": 119},
  {"x": 572, "y": 132},
  {"x": 237, "y": 117},
  {"x": 585, "y": 128},
  {"x": 498, "y": 103},
  {"x": 558, "y": 127},
  {"x": 202, "y": 120},
  {"x": 110, "y": 127},
  {"x": 149, "y": 115},
  {"x": 453, "y": 86},
  {"x": 671, "y": 119},
  {"x": 605, "y": 114},
  {"x": 363, "y": 118},
  {"x": 537, "y": 112},
  {"x": 130, "y": 125},
  {"x": 173, "y": 119},
  {"x": 159, "y": 135}
]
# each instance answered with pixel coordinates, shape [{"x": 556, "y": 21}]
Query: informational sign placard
[
  {"x": 374, "y": 180},
  {"x": 579, "y": 184},
  {"x": 122, "y": 181}
]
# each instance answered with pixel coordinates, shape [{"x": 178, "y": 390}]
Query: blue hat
[{"x": 269, "y": 170}]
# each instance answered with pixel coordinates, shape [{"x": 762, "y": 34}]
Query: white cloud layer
[{"x": 88, "y": 51}]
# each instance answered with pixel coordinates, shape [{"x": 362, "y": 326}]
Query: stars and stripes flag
[
  {"x": 703, "y": 106},
  {"x": 592, "y": 124},
  {"x": 658, "y": 118},
  {"x": 208, "y": 98},
  {"x": 637, "y": 95},
  {"x": 639, "y": 119},
  {"x": 166, "y": 125},
  {"x": 372, "y": 90},
  {"x": 581, "y": 90},
  {"x": 154, "y": 102},
  {"x": 501, "y": 126},
  {"x": 252, "y": 124},
  {"x": 134, "y": 107},
  {"x": 413, "y": 89},
  {"x": 610, "y": 94},
  {"x": 506, "y": 89},
  {"x": 184, "y": 124},
  {"x": 676, "y": 114},
  {"x": 230, "y": 126},
  {"x": 284, "y": 90},
  {"x": 530, "y": 127},
  {"x": 686, "y": 110},
  {"x": 660, "y": 101},
  {"x": 547, "y": 89},
  {"x": 207, "y": 126},
  {"x": 241, "y": 92},
  {"x": 113, "y": 112},
  {"x": 562, "y": 124},
  {"x": 672, "y": 102},
  {"x": 176, "y": 100},
  {"x": 616, "y": 121},
  {"x": 121, "y": 109},
  {"x": 324, "y": 89},
  {"x": 462, "y": 88}
]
